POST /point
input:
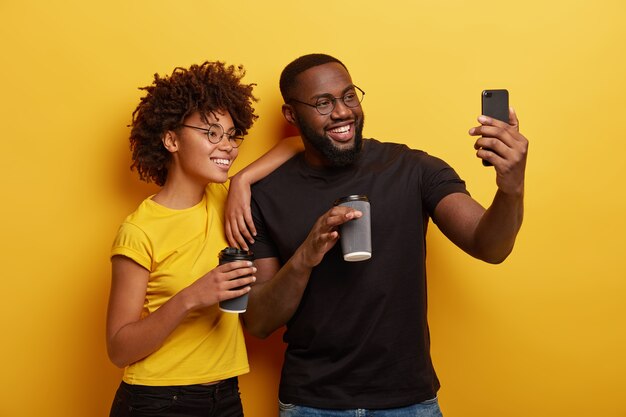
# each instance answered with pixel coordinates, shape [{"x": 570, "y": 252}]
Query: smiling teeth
[
  {"x": 222, "y": 161},
  {"x": 342, "y": 129}
]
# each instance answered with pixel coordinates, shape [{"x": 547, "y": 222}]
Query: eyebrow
[{"x": 345, "y": 90}]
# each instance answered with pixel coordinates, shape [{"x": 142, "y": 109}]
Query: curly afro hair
[{"x": 206, "y": 88}]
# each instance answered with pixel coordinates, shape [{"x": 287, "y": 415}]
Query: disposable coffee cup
[
  {"x": 237, "y": 304},
  {"x": 355, "y": 235}
]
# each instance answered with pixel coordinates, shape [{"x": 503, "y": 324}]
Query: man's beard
[{"x": 334, "y": 156}]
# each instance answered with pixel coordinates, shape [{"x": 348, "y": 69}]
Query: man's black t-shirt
[{"x": 359, "y": 338}]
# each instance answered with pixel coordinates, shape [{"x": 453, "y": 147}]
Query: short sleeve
[
  {"x": 263, "y": 246},
  {"x": 133, "y": 243},
  {"x": 439, "y": 180}
]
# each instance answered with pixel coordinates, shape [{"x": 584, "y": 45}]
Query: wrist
[
  {"x": 513, "y": 194},
  {"x": 300, "y": 262},
  {"x": 187, "y": 300},
  {"x": 241, "y": 178}
]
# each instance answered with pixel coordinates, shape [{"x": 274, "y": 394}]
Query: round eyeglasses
[
  {"x": 326, "y": 103},
  {"x": 215, "y": 133}
]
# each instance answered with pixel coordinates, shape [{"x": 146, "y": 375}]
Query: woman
[{"x": 181, "y": 354}]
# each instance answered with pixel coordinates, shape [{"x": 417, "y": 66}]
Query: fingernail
[
  {"x": 250, "y": 263},
  {"x": 471, "y": 131},
  {"x": 483, "y": 119}
]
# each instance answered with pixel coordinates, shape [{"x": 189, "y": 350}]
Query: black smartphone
[{"x": 495, "y": 104}]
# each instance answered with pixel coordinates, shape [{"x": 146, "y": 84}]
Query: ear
[
  {"x": 170, "y": 141},
  {"x": 288, "y": 114}
]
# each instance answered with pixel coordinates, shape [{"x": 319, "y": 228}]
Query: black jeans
[{"x": 219, "y": 400}]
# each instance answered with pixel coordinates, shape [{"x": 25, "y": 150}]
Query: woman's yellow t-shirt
[{"x": 178, "y": 247}]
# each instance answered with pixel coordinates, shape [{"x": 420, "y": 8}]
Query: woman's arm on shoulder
[{"x": 238, "y": 223}]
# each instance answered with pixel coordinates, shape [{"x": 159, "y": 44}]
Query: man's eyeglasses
[
  {"x": 326, "y": 103},
  {"x": 215, "y": 133}
]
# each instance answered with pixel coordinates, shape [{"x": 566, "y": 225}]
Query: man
[{"x": 357, "y": 333}]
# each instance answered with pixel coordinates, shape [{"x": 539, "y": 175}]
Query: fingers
[
  {"x": 238, "y": 279},
  {"x": 240, "y": 230},
  {"x": 513, "y": 121},
  {"x": 329, "y": 223},
  {"x": 246, "y": 225},
  {"x": 236, "y": 268},
  {"x": 223, "y": 282},
  {"x": 495, "y": 150},
  {"x": 324, "y": 239},
  {"x": 227, "y": 295},
  {"x": 486, "y": 121},
  {"x": 236, "y": 230},
  {"x": 239, "y": 227},
  {"x": 498, "y": 132},
  {"x": 235, "y": 284},
  {"x": 499, "y": 143},
  {"x": 492, "y": 143},
  {"x": 341, "y": 214},
  {"x": 324, "y": 235},
  {"x": 490, "y": 127},
  {"x": 489, "y": 156},
  {"x": 228, "y": 230},
  {"x": 247, "y": 215}
]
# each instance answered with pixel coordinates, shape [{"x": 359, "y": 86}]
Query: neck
[
  {"x": 176, "y": 195},
  {"x": 313, "y": 157}
]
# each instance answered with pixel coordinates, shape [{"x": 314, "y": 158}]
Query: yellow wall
[{"x": 543, "y": 334}]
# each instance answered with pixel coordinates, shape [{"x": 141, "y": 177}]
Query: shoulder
[
  {"x": 132, "y": 240},
  {"x": 135, "y": 225},
  {"x": 217, "y": 191},
  {"x": 392, "y": 149},
  {"x": 376, "y": 150},
  {"x": 149, "y": 217},
  {"x": 283, "y": 174},
  {"x": 142, "y": 213}
]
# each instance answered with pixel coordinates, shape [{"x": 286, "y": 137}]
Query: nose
[
  {"x": 225, "y": 144},
  {"x": 341, "y": 111}
]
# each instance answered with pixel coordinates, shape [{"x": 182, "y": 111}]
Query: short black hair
[{"x": 298, "y": 66}]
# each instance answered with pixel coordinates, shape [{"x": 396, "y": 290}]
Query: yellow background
[{"x": 543, "y": 334}]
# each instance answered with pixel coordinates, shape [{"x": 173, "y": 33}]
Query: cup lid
[
  {"x": 235, "y": 253},
  {"x": 353, "y": 197}
]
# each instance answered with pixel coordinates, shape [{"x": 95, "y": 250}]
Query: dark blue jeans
[
  {"x": 428, "y": 408},
  {"x": 219, "y": 400}
]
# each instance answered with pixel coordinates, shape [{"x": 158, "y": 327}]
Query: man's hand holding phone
[{"x": 502, "y": 145}]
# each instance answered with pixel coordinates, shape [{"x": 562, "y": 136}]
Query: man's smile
[{"x": 341, "y": 133}]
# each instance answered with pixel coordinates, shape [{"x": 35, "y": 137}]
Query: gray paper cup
[
  {"x": 238, "y": 304},
  {"x": 355, "y": 235}
]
